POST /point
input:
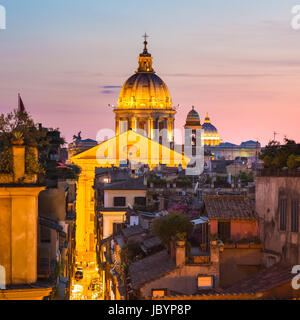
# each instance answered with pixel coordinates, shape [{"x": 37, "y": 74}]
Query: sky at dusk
[{"x": 237, "y": 60}]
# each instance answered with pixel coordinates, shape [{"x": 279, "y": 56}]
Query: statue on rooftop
[{"x": 78, "y": 137}]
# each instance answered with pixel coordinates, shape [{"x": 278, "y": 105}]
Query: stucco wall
[
  {"x": 18, "y": 233},
  {"x": 239, "y": 228},
  {"x": 109, "y": 218},
  {"x": 52, "y": 203},
  {"x": 129, "y": 194},
  {"x": 269, "y": 190},
  {"x": 182, "y": 279},
  {"x": 237, "y": 263}
]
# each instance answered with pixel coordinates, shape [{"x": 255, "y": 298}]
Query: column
[
  {"x": 150, "y": 128},
  {"x": 85, "y": 209},
  {"x": 117, "y": 126},
  {"x": 134, "y": 123},
  {"x": 171, "y": 129}
]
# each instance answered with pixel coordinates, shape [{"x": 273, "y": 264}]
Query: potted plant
[
  {"x": 180, "y": 238},
  {"x": 229, "y": 244},
  {"x": 17, "y": 138},
  {"x": 255, "y": 243},
  {"x": 213, "y": 238}
]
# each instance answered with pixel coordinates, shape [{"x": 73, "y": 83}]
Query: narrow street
[{"x": 89, "y": 287}]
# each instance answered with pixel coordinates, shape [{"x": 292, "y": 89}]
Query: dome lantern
[{"x": 145, "y": 59}]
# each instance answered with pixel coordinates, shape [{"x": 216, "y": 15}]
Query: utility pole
[{"x": 275, "y": 134}]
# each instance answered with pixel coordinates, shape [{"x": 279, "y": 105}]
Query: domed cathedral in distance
[
  {"x": 210, "y": 133},
  {"x": 145, "y": 103}
]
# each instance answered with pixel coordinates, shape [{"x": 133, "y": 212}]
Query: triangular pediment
[{"x": 130, "y": 146}]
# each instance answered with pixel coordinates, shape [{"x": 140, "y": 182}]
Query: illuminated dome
[
  {"x": 145, "y": 90},
  {"x": 145, "y": 105},
  {"x": 208, "y": 127},
  {"x": 211, "y": 135},
  {"x": 193, "y": 118}
]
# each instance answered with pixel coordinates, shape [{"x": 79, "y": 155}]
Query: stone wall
[{"x": 269, "y": 191}]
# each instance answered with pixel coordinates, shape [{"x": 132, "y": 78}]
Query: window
[
  {"x": 117, "y": 227},
  {"x": 224, "y": 230},
  {"x": 156, "y": 293},
  {"x": 283, "y": 214},
  {"x": 45, "y": 235},
  {"x": 119, "y": 201},
  {"x": 140, "y": 201},
  {"x": 205, "y": 282},
  {"x": 295, "y": 216}
]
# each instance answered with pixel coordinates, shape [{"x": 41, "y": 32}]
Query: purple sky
[{"x": 237, "y": 60}]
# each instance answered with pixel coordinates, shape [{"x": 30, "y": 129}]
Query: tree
[
  {"x": 267, "y": 161},
  {"x": 292, "y": 161},
  {"x": 19, "y": 123},
  {"x": 171, "y": 226},
  {"x": 276, "y": 155}
]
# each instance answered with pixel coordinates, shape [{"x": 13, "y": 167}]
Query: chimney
[
  {"x": 180, "y": 253},
  {"x": 215, "y": 250}
]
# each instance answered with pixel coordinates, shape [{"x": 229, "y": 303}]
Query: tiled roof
[
  {"x": 229, "y": 207},
  {"x": 151, "y": 268},
  {"x": 150, "y": 243},
  {"x": 263, "y": 280},
  {"x": 129, "y": 184},
  {"x": 252, "y": 287},
  {"x": 131, "y": 231}
]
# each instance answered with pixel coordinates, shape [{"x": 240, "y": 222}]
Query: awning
[{"x": 200, "y": 220}]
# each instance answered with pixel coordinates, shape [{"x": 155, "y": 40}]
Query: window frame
[
  {"x": 227, "y": 223},
  {"x": 282, "y": 214},
  {"x": 165, "y": 290},
  {"x": 138, "y": 204},
  {"x": 119, "y": 206},
  {"x": 295, "y": 215},
  {"x": 206, "y": 276}
]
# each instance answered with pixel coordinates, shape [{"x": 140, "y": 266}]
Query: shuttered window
[
  {"x": 45, "y": 234},
  {"x": 119, "y": 201},
  {"x": 295, "y": 216},
  {"x": 224, "y": 230},
  {"x": 140, "y": 201},
  {"x": 283, "y": 214}
]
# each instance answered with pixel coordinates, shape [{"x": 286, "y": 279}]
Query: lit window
[
  {"x": 205, "y": 282},
  {"x": 156, "y": 293}
]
